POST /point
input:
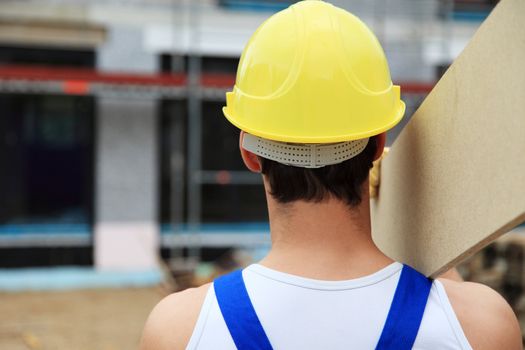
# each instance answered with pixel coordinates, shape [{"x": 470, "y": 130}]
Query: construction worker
[{"x": 313, "y": 99}]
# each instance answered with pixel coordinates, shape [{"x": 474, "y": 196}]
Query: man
[{"x": 313, "y": 99}]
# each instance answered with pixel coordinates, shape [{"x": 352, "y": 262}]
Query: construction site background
[{"x": 120, "y": 181}]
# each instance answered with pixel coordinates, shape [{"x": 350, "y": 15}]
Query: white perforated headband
[{"x": 303, "y": 155}]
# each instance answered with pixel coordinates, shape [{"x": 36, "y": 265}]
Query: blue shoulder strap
[
  {"x": 399, "y": 332},
  {"x": 406, "y": 311},
  {"x": 239, "y": 314}
]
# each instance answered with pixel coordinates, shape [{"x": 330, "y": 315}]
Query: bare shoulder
[
  {"x": 171, "y": 323},
  {"x": 486, "y": 318}
]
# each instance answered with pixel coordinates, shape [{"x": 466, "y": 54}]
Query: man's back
[{"x": 304, "y": 313}]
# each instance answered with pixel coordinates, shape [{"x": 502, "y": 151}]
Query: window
[{"x": 47, "y": 163}]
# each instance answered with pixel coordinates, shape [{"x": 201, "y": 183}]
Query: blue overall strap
[
  {"x": 406, "y": 311},
  {"x": 239, "y": 314}
]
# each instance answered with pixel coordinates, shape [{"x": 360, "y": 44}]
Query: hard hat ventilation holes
[{"x": 303, "y": 155}]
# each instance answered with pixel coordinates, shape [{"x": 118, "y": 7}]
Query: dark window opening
[
  {"x": 47, "y": 56},
  {"x": 45, "y": 256},
  {"x": 220, "y": 140},
  {"x": 233, "y": 204},
  {"x": 46, "y": 162},
  {"x": 173, "y": 150},
  {"x": 178, "y": 63},
  {"x": 47, "y": 159}
]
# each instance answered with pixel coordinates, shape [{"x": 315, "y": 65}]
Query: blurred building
[{"x": 112, "y": 141}]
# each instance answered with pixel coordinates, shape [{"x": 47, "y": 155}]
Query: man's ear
[
  {"x": 380, "y": 141},
  {"x": 250, "y": 159}
]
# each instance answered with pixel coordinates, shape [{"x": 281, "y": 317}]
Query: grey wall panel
[
  {"x": 126, "y": 161},
  {"x": 124, "y": 51}
]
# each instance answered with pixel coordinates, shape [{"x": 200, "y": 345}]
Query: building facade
[{"x": 112, "y": 142}]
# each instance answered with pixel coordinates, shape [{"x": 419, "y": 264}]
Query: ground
[{"x": 107, "y": 319}]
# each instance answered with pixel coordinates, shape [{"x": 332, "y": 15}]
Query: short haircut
[{"x": 343, "y": 181}]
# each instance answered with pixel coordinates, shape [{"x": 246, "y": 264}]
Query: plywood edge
[{"x": 477, "y": 247}]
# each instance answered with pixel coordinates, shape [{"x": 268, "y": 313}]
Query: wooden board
[{"x": 454, "y": 179}]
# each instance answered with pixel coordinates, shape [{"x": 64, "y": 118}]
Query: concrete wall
[
  {"x": 124, "y": 51},
  {"x": 126, "y": 228}
]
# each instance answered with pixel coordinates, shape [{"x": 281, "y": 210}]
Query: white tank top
[{"x": 303, "y": 313}]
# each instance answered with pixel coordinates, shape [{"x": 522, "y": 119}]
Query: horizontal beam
[
  {"x": 61, "y": 34},
  {"x": 227, "y": 177},
  {"x": 216, "y": 240},
  {"x": 82, "y": 81},
  {"x": 45, "y": 240}
]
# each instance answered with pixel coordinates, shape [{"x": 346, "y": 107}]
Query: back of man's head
[{"x": 343, "y": 181}]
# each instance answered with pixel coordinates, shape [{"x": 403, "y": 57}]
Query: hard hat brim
[{"x": 341, "y": 136}]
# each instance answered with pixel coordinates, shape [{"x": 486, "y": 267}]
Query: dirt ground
[{"x": 109, "y": 319}]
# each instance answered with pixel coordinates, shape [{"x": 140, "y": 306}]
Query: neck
[{"x": 325, "y": 240}]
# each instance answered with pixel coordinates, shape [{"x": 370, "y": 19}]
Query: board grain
[{"x": 454, "y": 180}]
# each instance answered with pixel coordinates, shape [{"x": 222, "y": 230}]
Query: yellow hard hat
[{"x": 313, "y": 73}]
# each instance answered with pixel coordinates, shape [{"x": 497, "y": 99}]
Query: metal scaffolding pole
[
  {"x": 194, "y": 130},
  {"x": 176, "y": 145}
]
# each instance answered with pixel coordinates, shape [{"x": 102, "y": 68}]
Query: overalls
[{"x": 399, "y": 332}]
